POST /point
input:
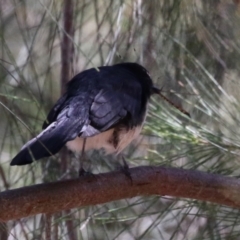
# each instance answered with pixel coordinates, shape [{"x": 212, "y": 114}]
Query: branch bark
[{"x": 102, "y": 188}]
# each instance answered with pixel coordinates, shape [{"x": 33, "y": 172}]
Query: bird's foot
[
  {"x": 83, "y": 173},
  {"x": 125, "y": 170}
]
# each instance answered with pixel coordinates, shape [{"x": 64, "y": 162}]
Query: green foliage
[{"x": 191, "y": 48}]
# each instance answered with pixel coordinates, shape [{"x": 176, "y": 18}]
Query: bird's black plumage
[{"x": 96, "y": 100}]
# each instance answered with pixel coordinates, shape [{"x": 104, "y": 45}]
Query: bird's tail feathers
[{"x": 47, "y": 143}]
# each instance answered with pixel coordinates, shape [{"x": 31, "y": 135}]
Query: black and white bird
[{"x": 102, "y": 108}]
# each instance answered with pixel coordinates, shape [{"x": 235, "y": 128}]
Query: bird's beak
[{"x": 158, "y": 91}]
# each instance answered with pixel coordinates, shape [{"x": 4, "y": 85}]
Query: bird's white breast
[{"x": 104, "y": 140}]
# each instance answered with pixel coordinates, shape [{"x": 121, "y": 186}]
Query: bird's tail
[{"x": 47, "y": 143}]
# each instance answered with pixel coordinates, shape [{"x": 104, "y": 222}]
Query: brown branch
[
  {"x": 67, "y": 53},
  {"x": 72, "y": 235},
  {"x": 4, "y": 231},
  {"x": 48, "y": 222},
  {"x": 67, "y": 46},
  {"x": 5, "y": 183},
  {"x": 102, "y": 188}
]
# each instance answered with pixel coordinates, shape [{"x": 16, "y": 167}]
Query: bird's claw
[
  {"x": 125, "y": 170},
  {"x": 83, "y": 173}
]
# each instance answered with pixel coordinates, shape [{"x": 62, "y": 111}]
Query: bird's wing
[
  {"x": 115, "y": 105},
  {"x": 114, "y": 97},
  {"x": 52, "y": 116}
]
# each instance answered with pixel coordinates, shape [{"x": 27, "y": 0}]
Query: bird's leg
[
  {"x": 125, "y": 169},
  {"x": 82, "y": 172}
]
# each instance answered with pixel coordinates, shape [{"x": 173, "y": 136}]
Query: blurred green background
[{"x": 190, "y": 48}]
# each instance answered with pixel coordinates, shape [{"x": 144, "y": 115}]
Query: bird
[{"x": 102, "y": 108}]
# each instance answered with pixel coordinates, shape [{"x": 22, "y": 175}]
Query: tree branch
[
  {"x": 67, "y": 47},
  {"x": 102, "y": 188}
]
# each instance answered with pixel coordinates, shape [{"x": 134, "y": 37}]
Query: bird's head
[
  {"x": 142, "y": 75},
  {"x": 144, "y": 78}
]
